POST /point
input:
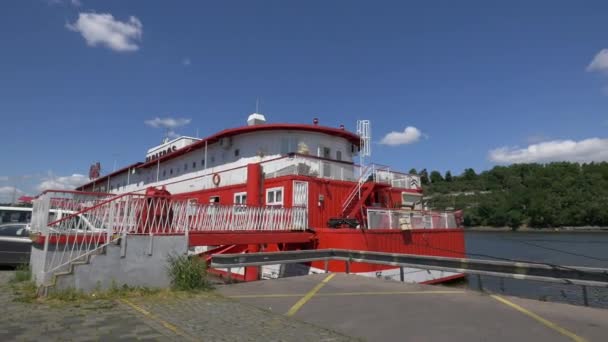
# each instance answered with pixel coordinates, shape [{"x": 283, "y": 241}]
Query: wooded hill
[{"x": 533, "y": 195}]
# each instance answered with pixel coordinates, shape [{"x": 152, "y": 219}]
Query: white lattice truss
[{"x": 89, "y": 222}]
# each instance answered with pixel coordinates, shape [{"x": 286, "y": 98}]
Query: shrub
[
  {"x": 187, "y": 273},
  {"x": 22, "y": 273}
]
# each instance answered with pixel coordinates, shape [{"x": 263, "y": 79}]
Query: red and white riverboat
[{"x": 335, "y": 203}]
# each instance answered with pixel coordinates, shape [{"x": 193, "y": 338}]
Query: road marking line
[
  {"x": 164, "y": 323},
  {"x": 545, "y": 322},
  {"x": 371, "y": 293},
  {"x": 308, "y": 296}
]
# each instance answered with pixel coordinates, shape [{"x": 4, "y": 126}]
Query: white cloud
[
  {"x": 186, "y": 61},
  {"x": 63, "y": 182},
  {"x": 168, "y": 123},
  {"x": 8, "y": 193},
  {"x": 599, "y": 62},
  {"x": 103, "y": 29},
  {"x": 587, "y": 150},
  {"x": 409, "y": 135}
]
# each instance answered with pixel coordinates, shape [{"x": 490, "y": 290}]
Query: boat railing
[
  {"x": 303, "y": 165},
  {"x": 54, "y": 204},
  {"x": 292, "y": 164},
  {"x": 396, "y": 179},
  {"x": 92, "y": 223},
  {"x": 410, "y": 219},
  {"x": 300, "y": 165}
]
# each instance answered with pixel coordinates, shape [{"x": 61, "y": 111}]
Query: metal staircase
[{"x": 357, "y": 192}]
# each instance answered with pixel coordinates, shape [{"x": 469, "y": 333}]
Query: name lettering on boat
[{"x": 161, "y": 153}]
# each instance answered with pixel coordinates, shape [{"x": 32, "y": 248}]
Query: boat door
[{"x": 300, "y": 203}]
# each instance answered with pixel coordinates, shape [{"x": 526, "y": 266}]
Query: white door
[{"x": 300, "y": 204}]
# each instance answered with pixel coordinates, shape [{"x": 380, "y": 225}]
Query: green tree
[
  {"x": 534, "y": 195},
  {"x": 424, "y": 177},
  {"x": 469, "y": 174},
  {"x": 436, "y": 177},
  {"x": 413, "y": 171},
  {"x": 448, "y": 176}
]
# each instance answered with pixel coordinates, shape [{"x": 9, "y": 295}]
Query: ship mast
[{"x": 365, "y": 147}]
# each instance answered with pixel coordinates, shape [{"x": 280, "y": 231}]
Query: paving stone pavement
[{"x": 183, "y": 317}]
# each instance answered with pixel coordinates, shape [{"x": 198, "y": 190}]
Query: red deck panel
[{"x": 243, "y": 238}]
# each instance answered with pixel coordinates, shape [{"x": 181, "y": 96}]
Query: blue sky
[{"x": 478, "y": 82}]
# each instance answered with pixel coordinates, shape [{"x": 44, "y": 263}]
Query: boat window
[
  {"x": 214, "y": 199},
  {"x": 194, "y": 165},
  {"x": 202, "y": 162},
  {"x": 171, "y": 171},
  {"x": 274, "y": 196},
  {"x": 236, "y": 152},
  {"x": 240, "y": 198},
  {"x": 164, "y": 173},
  {"x": 338, "y": 155},
  {"x": 185, "y": 166},
  {"x": 326, "y": 152},
  {"x": 409, "y": 199},
  {"x": 289, "y": 145}
]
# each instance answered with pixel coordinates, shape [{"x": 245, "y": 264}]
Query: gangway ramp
[{"x": 383, "y": 310}]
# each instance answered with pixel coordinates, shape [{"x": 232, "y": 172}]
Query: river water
[{"x": 574, "y": 249}]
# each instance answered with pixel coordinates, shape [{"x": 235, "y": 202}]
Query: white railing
[
  {"x": 52, "y": 205},
  {"x": 242, "y": 218},
  {"x": 316, "y": 167},
  {"x": 77, "y": 234},
  {"x": 406, "y": 219},
  {"x": 396, "y": 179},
  {"x": 310, "y": 166}
]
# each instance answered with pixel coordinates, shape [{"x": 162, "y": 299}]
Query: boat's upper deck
[{"x": 282, "y": 149}]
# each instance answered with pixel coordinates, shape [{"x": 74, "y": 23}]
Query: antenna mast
[{"x": 364, "y": 131}]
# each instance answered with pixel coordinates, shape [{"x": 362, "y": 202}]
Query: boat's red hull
[{"x": 436, "y": 242}]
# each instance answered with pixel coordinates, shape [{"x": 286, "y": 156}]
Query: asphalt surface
[{"x": 382, "y": 310}]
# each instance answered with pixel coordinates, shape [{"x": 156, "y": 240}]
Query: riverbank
[{"x": 584, "y": 229}]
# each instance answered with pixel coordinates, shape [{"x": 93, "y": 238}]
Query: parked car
[{"x": 15, "y": 244}]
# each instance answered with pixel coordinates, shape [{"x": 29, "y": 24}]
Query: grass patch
[
  {"x": 22, "y": 273},
  {"x": 188, "y": 273},
  {"x": 25, "y": 291},
  {"x": 114, "y": 292}
]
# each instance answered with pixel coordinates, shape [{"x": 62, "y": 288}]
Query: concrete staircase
[{"x": 135, "y": 261}]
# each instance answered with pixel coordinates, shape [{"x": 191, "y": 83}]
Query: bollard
[
  {"x": 479, "y": 284},
  {"x": 401, "y": 274},
  {"x": 229, "y": 275},
  {"x": 502, "y": 285},
  {"x": 347, "y": 266},
  {"x": 326, "y": 265},
  {"x": 585, "y": 296}
]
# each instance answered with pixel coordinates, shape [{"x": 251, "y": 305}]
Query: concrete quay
[
  {"x": 323, "y": 307},
  {"x": 383, "y": 310}
]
